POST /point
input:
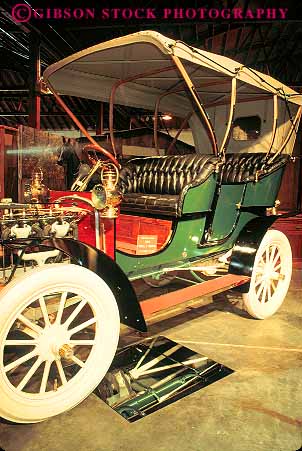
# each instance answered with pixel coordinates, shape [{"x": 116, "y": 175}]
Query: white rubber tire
[
  {"x": 24, "y": 407},
  {"x": 270, "y": 277}
]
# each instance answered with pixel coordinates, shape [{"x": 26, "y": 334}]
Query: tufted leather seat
[
  {"x": 158, "y": 184},
  {"x": 242, "y": 167}
]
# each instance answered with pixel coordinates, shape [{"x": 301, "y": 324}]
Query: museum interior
[{"x": 150, "y": 226}]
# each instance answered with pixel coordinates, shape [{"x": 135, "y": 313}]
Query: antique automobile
[{"x": 70, "y": 260}]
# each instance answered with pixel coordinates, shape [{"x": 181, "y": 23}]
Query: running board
[{"x": 213, "y": 286}]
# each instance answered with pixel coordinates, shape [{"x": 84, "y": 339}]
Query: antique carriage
[{"x": 69, "y": 265}]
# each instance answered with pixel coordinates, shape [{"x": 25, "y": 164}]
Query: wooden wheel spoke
[
  {"x": 78, "y": 361},
  {"x": 61, "y": 307},
  {"x": 259, "y": 269},
  {"x": 276, "y": 258},
  {"x": 277, "y": 267},
  {"x": 75, "y": 313},
  {"x": 260, "y": 288},
  {"x": 44, "y": 310},
  {"x": 258, "y": 281},
  {"x": 82, "y": 326},
  {"x": 274, "y": 286},
  {"x": 264, "y": 293},
  {"x": 272, "y": 253},
  {"x": 45, "y": 376},
  {"x": 29, "y": 374},
  {"x": 20, "y": 342},
  {"x": 61, "y": 372},
  {"x": 20, "y": 361},
  {"x": 261, "y": 261},
  {"x": 31, "y": 325},
  {"x": 269, "y": 292}
]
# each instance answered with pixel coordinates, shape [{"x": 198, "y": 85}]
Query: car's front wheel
[{"x": 59, "y": 329}]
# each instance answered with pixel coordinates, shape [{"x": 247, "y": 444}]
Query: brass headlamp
[
  {"x": 105, "y": 196},
  {"x": 37, "y": 193}
]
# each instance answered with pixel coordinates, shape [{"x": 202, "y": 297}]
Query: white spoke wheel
[
  {"x": 270, "y": 277},
  {"x": 59, "y": 329}
]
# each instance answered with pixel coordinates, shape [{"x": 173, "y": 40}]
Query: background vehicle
[{"x": 207, "y": 212}]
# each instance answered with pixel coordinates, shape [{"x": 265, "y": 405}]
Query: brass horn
[{"x": 84, "y": 177}]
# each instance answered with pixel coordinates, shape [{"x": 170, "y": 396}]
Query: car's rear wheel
[
  {"x": 59, "y": 329},
  {"x": 270, "y": 277}
]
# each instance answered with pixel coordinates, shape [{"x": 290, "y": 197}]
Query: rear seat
[{"x": 245, "y": 167}]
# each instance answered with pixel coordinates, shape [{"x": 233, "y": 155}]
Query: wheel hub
[
  {"x": 51, "y": 343},
  {"x": 66, "y": 352},
  {"x": 269, "y": 273}
]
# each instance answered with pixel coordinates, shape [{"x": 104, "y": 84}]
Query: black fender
[
  {"x": 88, "y": 256},
  {"x": 246, "y": 246}
]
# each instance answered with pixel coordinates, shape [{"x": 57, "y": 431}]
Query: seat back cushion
[
  {"x": 165, "y": 175},
  {"x": 242, "y": 167}
]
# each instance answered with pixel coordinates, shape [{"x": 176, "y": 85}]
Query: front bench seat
[{"x": 158, "y": 185}]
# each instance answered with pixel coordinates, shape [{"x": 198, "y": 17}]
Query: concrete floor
[{"x": 257, "y": 408}]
